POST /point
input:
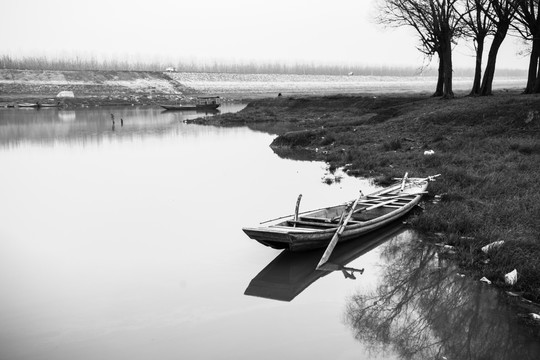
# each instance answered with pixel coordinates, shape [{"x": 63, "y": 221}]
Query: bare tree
[
  {"x": 501, "y": 13},
  {"x": 436, "y": 23},
  {"x": 528, "y": 25},
  {"x": 477, "y": 25}
]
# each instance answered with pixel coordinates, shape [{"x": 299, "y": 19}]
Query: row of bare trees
[{"x": 440, "y": 23}]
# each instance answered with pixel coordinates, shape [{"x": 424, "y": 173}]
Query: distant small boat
[
  {"x": 315, "y": 229},
  {"x": 28, "y": 105},
  {"x": 202, "y": 103},
  {"x": 50, "y": 105}
]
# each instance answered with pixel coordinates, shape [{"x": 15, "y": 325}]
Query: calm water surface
[{"x": 126, "y": 243}]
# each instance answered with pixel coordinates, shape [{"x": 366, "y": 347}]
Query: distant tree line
[
  {"x": 74, "y": 63},
  {"x": 439, "y": 24},
  {"x": 77, "y": 63}
]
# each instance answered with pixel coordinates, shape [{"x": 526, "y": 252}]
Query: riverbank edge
[
  {"x": 91, "y": 88},
  {"x": 487, "y": 150}
]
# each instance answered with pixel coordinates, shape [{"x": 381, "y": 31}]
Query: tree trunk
[
  {"x": 448, "y": 93},
  {"x": 440, "y": 77},
  {"x": 478, "y": 68},
  {"x": 489, "y": 74},
  {"x": 536, "y": 88},
  {"x": 533, "y": 66}
]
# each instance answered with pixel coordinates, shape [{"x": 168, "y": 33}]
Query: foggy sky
[{"x": 289, "y": 31}]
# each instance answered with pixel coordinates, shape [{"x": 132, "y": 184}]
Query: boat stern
[{"x": 266, "y": 236}]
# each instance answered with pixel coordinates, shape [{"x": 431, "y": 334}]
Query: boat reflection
[
  {"x": 290, "y": 273},
  {"x": 422, "y": 309}
]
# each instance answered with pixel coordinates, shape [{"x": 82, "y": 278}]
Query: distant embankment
[
  {"x": 132, "y": 86},
  {"x": 150, "y": 87},
  {"x": 252, "y": 86}
]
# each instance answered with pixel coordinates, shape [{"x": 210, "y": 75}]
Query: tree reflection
[{"x": 423, "y": 310}]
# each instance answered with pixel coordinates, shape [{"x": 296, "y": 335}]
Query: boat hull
[
  {"x": 280, "y": 235},
  {"x": 37, "y": 105},
  {"x": 28, "y": 105}
]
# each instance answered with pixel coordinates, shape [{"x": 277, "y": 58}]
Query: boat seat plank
[
  {"x": 390, "y": 205},
  {"x": 315, "y": 218},
  {"x": 390, "y": 195},
  {"x": 313, "y": 223},
  {"x": 384, "y": 203},
  {"x": 404, "y": 199}
]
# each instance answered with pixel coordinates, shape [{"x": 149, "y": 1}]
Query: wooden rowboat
[
  {"x": 202, "y": 103},
  {"x": 315, "y": 229}
]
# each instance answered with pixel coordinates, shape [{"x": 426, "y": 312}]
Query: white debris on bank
[
  {"x": 65, "y": 94},
  {"x": 511, "y": 278},
  {"x": 486, "y": 280},
  {"x": 491, "y": 246},
  {"x": 429, "y": 152}
]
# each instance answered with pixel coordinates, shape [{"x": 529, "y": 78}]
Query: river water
[{"x": 126, "y": 243}]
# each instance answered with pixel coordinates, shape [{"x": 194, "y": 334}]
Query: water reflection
[
  {"x": 290, "y": 273},
  {"x": 423, "y": 310},
  {"x": 91, "y": 125}
]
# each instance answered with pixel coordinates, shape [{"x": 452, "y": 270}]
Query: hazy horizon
[{"x": 258, "y": 67}]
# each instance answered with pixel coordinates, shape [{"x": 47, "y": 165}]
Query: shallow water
[{"x": 127, "y": 243}]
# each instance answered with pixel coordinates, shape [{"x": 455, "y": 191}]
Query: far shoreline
[{"x": 146, "y": 88}]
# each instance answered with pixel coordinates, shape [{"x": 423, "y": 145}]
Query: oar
[
  {"x": 296, "y": 209},
  {"x": 404, "y": 180},
  {"x": 335, "y": 238}
]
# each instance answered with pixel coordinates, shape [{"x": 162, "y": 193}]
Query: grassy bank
[{"x": 487, "y": 150}]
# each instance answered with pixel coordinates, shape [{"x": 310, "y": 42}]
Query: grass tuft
[{"x": 392, "y": 145}]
